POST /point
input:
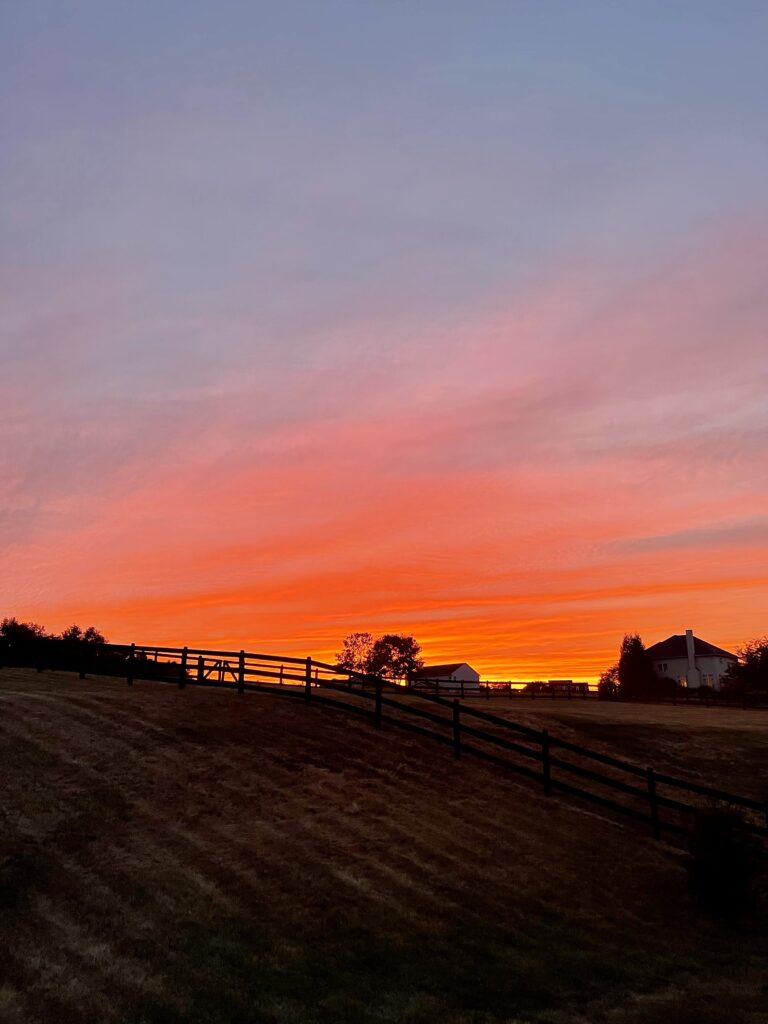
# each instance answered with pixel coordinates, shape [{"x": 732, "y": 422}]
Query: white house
[
  {"x": 457, "y": 673},
  {"x": 690, "y": 661}
]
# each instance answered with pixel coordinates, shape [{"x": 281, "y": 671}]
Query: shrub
[
  {"x": 662, "y": 688},
  {"x": 722, "y": 865}
]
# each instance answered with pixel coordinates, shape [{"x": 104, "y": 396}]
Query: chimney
[{"x": 691, "y": 652}]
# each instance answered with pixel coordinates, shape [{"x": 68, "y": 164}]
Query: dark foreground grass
[
  {"x": 467, "y": 973},
  {"x": 194, "y": 857}
]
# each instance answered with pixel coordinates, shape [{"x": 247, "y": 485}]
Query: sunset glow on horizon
[{"x": 446, "y": 319}]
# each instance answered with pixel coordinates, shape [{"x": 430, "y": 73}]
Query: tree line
[
  {"x": 75, "y": 649},
  {"x": 28, "y": 644},
  {"x": 15, "y": 632}
]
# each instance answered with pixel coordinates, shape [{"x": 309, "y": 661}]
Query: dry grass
[
  {"x": 724, "y": 747},
  {"x": 192, "y": 856}
]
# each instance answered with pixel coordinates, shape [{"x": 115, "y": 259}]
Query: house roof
[
  {"x": 438, "y": 671},
  {"x": 675, "y": 647}
]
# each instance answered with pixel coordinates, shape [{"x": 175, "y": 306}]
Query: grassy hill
[
  {"x": 726, "y": 747},
  {"x": 193, "y": 856}
]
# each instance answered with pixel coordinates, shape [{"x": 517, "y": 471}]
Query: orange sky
[
  {"x": 317, "y": 318},
  {"x": 519, "y": 508}
]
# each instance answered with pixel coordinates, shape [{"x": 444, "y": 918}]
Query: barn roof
[
  {"x": 440, "y": 670},
  {"x": 675, "y": 647}
]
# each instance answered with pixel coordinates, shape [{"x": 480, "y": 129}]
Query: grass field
[
  {"x": 174, "y": 856},
  {"x": 725, "y": 747}
]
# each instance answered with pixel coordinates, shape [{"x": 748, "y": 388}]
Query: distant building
[
  {"x": 690, "y": 661},
  {"x": 557, "y": 686},
  {"x": 456, "y": 673},
  {"x": 566, "y": 686}
]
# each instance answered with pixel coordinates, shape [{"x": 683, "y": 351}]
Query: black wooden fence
[
  {"x": 684, "y": 696},
  {"x": 641, "y": 793}
]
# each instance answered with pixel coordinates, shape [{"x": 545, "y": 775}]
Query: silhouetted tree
[
  {"x": 750, "y": 673},
  {"x": 608, "y": 684},
  {"x": 22, "y": 642},
  {"x": 75, "y": 635},
  {"x": 356, "y": 652},
  {"x": 635, "y": 670},
  {"x": 395, "y": 656},
  {"x": 21, "y": 632},
  {"x": 93, "y": 636},
  {"x": 28, "y": 643}
]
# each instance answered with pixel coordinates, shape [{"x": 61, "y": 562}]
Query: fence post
[
  {"x": 308, "y": 680},
  {"x": 281, "y": 675},
  {"x": 183, "y": 668},
  {"x": 377, "y": 714},
  {"x": 546, "y": 768},
  {"x": 241, "y": 674},
  {"x": 129, "y": 669},
  {"x": 456, "y": 728},
  {"x": 653, "y": 803},
  {"x": 462, "y": 689},
  {"x": 201, "y": 669},
  {"x": 487, "y": 691}
]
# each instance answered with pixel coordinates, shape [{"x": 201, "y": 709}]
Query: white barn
[
  {"x": 690, "y": 661},
  {"x": 453, "y": 675}
]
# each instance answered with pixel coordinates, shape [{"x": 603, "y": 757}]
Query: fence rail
[
  {"x": 518, "y": 691},
  {"x": 632, "y": 790}
]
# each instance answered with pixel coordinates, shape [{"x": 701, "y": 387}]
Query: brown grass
[
  {"x": 175, "y": 856},
  {"x": 723, "y": 747}
]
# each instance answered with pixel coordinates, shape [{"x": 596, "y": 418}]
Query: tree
[
  {"x": 356, "y": 652},
  {"x": 21, "y": 632},
  {"x": 750, "y": 672},
  {"x": 395, "y": 656},
  {"x": 91, "y": 635},
  {"x": 608, "y": 685},
  {"x": 635, "y": 671}
]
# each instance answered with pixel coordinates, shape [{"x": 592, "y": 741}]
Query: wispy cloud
[{"x": 750, "y": 533}]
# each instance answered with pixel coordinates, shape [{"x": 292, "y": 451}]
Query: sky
[{"x": 440, "y": 317}]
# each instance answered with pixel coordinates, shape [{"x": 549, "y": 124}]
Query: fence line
[
  {"x": 518, "y": 691},
  {"x": 381, "y": 701}
]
